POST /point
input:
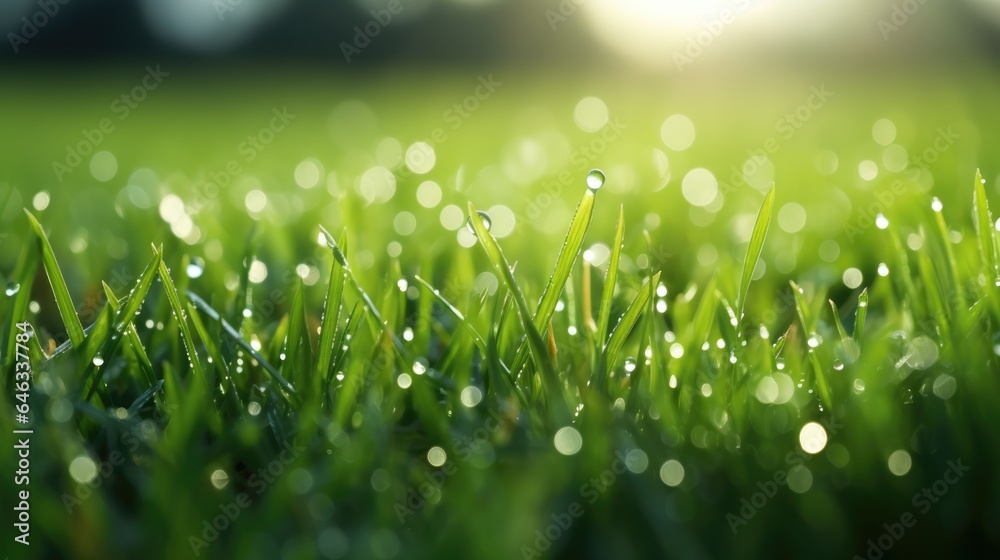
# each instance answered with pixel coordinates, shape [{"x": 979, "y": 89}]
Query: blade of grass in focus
[
  {"x": 608, "y": 292},
  {"x": 233, "y": 335},
  {"x": 537, "y": 345},
  {"x": 133, "y": 338},
  {"x": 74, "y": 329},
  {"x": 754, "y": 249},
  {"x": 565, "y": 261},
  {"x": 332, "y": 307},
  {"x": 105, "y": 342},
  {"x": 628, "y": 319}
]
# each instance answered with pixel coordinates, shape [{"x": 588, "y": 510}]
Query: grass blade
[
  {"x": 538, "y": 348},
  {"x": 984, "y": 228},
  {"x": 133, "y": 337},
  {"x": 568, "y": 254},
  {"x": 608, "y": 293},
  {"x": 297, "y": 345},
  {"x": 859, "y": 316},
  {"x": 473, "y": 333},
  {"x": 174, "y": 300},
  {"x": 754, "y": 249},
  {"x": 629, "y": 319},
  {"x": 836, "y": 321},
  {"x": 806, "y": 318},
  {"x": 952, "y": 264},
  {"x": 566, "y": 260},
  {"x": 63, "y": 300},
  {"x": 235, "y": 336},
  {"x": 331, "y": 317},
  {"x": 24, "y": 272}
]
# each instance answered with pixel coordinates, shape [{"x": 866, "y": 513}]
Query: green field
[{"x": 415, "y": 398}]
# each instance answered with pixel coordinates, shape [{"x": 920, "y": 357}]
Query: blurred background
[{"x": 441, "y": 33}]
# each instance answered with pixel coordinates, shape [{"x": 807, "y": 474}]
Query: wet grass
[{"x": 464, "y": 400}]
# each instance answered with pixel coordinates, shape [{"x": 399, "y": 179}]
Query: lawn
[{"x": 318, "y": 338}]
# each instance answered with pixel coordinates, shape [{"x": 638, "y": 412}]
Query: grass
[{"x": 457, "y": 402}]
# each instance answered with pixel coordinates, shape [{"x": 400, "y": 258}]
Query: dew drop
[
  {"x": 195, "y": 268},
  {"x": 98, "y": 361},
  {"x": 595, "y": 179},
  {"x": 487, "y": 222},
  {"x": 12, "y": 288}
]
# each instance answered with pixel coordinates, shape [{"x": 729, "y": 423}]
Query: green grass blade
[
  {"x": 91, "y": 350},
  {"x": 537, "y": 345},
  {"x": 836, "y": 321},
  {"x": 628, "y": 320},
  {"x": 24, "y": 273},
  {"x": 331, "y": 318},
  {"x": 133, "y": 337},
  {"x": 230, "y": 394},
  {"x": 565, "y": 261},
  {"x": 956, "y": 282},
  {"x": 808, "y": 327},
  {"x": 473, "y": 333},
  {"x": 568, "y": 254},
  {"x": 984, "y": 228},
  {"x": 174, "y": 301},
  {"x": 754, "y": 249},
  {"x": 608, "y": 293},
  {"x": 63, "y": 300},
  {"x": 339, "y": 256},
  {"x": 297, "y": 346},
  {"x": 859, "y": 316},
  {"x": 802, "y": 308},
  {"x": 235, "y": 337}
]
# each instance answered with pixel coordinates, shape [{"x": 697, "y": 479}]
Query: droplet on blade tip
[
  {"x": 487, "y": 222},
  {"x": 595, "y": 179}
]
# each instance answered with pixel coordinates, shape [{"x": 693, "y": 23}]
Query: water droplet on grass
[
  {"x": 487, "y": 222},
  {"x": 595, "y": 179},
  {"x": 195, "y": 268},
  {"x": 12, "y": 288}
]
